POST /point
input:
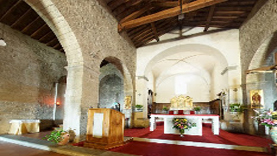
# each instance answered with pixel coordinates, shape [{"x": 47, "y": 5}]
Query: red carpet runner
[{"x": 154, "y": 149}]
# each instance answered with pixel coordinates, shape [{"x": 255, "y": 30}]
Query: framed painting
[
  {"x": 257, "y": 99},
  {"x": 127, "y": 102}
]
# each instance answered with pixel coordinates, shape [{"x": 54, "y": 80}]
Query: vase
[
  {"x": 65, "y": 139},
  {"x": 273, "y": 134},
  {"x": 182, "y": 131}
]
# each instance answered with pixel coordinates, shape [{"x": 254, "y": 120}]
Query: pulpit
[{"x": 105, "y": 128}]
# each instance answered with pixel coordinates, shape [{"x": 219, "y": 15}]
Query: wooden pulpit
[{"x": 105, "y": 128}]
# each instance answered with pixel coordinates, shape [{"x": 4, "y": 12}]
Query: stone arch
[
  {"x": 111, "y": 91},
  {"x": 199, "y": 48},
  {"x": 264, "y": 56},
  {"x": 47, "y": 10},
  {"x": 124, "y": 74}
]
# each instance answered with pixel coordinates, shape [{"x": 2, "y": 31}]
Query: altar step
[{"x": 204, "y": 145}]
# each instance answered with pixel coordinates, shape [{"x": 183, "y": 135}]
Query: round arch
[
  {"x": 124, "y": 74},
  {"x": 205, "y": 49}
]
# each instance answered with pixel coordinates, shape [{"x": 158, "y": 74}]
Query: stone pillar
[
  {"x": 81, "y": 94},
  {"x": 141, "y": 93},
  {"x": 73, "y": 96}
]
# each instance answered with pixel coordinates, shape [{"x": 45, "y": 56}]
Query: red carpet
[
  {"x": 153, "y": 149},
  {"x": 224, "y": 137}
]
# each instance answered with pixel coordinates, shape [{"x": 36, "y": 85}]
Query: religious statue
[
  {"x": 173, "y": 102},
  {"x": 181, "y": 103}
]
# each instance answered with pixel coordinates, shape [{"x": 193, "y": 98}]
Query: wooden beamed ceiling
[
  {"x": 146, "y": 20},
  {"x": 142, "y": 20},
  {"x": 20, "y": 16}
]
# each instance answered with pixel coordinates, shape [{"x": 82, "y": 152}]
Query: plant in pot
[
  {"x": 235, "y": 110},
  {"x": 165, "y": 109},
  {"x": 139, "y": 107},
  {"x": 58, "y": 136},
  {"x": 197, "y": 109}
]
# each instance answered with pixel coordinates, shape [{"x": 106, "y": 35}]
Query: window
[{"x": 180, "y": 85}]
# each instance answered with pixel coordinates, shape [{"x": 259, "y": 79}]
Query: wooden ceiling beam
[
  {"x": 41, "y": 38},
  {"x": 225, "y": 17},
  {"x": 131, "y": 3},
  {"x": 167, "y": 4},
  {"x": 29, "y": 25},
  {"x": 20, "y": 18},
  {"x": 210, "y": 16},
  {"x": 135, "y": 14},
  {"x": 56, "y": 45},
  {"x": 137, "y": 30},
  {"x": 39, "y": 29},
  {"x": 115, "y": 3},
  {"x": 51, "y": 41},
  {"x": 154, "y": 30},
  {"x": 262, "y": 69},
  {"x": 167, "y": 13},
  {"x": 229, "y": 12},
  {"x": 9, "y": 10}
]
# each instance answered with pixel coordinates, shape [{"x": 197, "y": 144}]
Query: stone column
[
  {"x": 81, "y": 94},
  {"x": 141, "y": 93}
]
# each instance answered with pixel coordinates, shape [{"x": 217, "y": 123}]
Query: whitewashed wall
[{"x": 223, "y": 45}]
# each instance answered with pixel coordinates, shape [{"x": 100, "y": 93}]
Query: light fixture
[
  {"x": 181, "y": 17},
  {"x": 2, "y": 42}
]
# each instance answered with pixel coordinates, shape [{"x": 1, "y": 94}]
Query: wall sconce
[
  {"x": 58, "y": 103},
  {"x": 2, "y": 42}
]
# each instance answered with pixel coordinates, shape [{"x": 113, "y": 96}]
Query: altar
[{"x": 196, "y": 118}]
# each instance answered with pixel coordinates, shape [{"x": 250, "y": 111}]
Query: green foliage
[
  {"x": 197, "y": 108},
  {"x": 138, "y": 106},
  {"x": 165, "y": 108},
  {"x": 55, "y": 136},
  {"x": 236, "y": 107}
]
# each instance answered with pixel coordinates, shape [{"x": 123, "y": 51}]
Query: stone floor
[
  {"x": 10, "y": 149},
  {"x": 14, "y": 145}
]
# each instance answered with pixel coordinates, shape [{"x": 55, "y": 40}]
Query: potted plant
[
  {"x": 58, "y": 136},
  {"x": 165, "y": 109},
  {"x": 197, "y": 109},
  {"x": 235, "y": 107},
  {"x": 138, "y": 107}
]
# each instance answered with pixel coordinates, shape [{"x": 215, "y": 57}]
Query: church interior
[{"x": 139, "y": 77}]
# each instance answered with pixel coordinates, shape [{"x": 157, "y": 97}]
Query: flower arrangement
[
  {"x": 182, "y": 124},
  {"x": 266, "y": 117}
]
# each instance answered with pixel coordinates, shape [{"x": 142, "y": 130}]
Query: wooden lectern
[{"x": 105, "y": 128}]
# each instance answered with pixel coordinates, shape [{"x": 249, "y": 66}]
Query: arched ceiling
[
  {"x": 190, "y": 63},
  {"x": 142, "y": 20}
]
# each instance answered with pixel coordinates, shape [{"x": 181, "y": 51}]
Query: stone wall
[
  {"x": 255, "y": 31},
  {"x": 88, "y": 33},
  {"x": 258, "y": 44},
  {"x": 29, "y": 70}
]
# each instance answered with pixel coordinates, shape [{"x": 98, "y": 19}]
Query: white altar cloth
[{"x": 197, "y": 118}]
